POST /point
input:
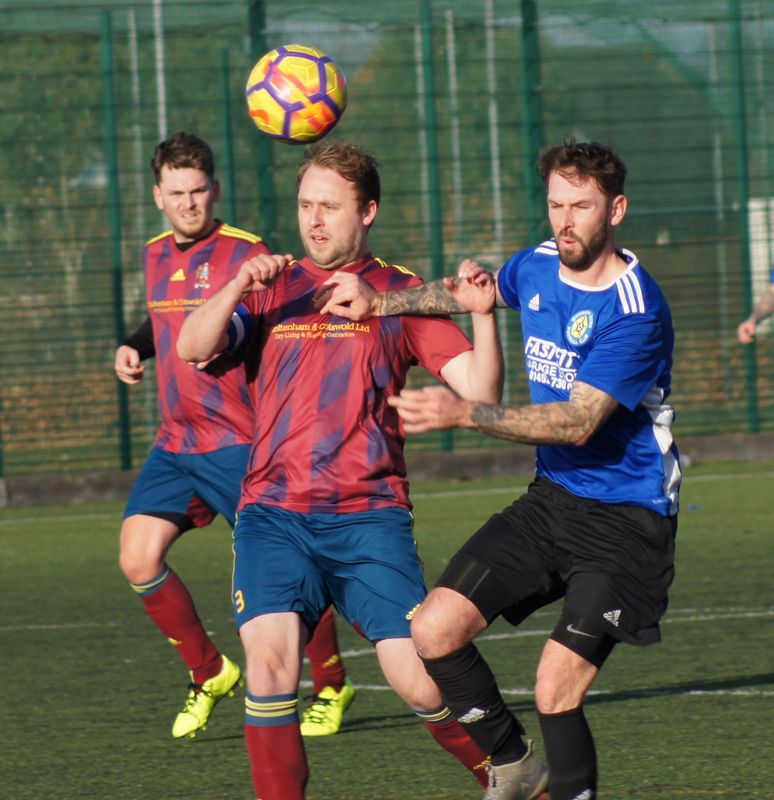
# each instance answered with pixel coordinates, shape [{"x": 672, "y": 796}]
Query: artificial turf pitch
[{"x": 90, "y": 688}]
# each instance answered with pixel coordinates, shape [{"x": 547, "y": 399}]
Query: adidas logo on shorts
[{"x": 613, "y": 616}]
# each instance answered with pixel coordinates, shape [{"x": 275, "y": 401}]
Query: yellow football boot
[
  {"x": 324, "y": 715},
  {"x": 203, "y": 699}
]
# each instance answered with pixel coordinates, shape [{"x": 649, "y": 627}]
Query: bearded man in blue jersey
[{"x": 597, "y": 526}]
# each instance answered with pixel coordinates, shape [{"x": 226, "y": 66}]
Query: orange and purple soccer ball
[{"x": 296, "y": 94}]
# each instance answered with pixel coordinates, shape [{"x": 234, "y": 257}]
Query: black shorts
[{"x": 613, "y": 564}]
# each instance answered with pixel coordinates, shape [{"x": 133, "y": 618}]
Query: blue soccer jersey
[{"x": 619, "y": 339}]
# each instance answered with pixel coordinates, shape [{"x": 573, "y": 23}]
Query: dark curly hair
[{"x": 588, "y": 159}]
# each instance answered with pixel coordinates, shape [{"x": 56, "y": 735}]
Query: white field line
[
  {"x": 525, "y": 692},
  {"x": 704, "y": 616},
  {"x": 511, "y": 490},
  {"x": 675, "y": 617},
  {"x": 694, "y": 615}
]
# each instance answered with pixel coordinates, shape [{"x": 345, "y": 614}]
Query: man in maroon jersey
[
  {"x": 199, "y": 456},
  {"x": 325, "y": 515}
]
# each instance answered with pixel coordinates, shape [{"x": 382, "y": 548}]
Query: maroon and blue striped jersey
[
  {"x": 326, "y": 440},
  {"x": 200, "y": 410}
]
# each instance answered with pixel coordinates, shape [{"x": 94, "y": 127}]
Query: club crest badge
[
  {"x": 579, "y": 327},
  {"x": 203, "y": 275}
]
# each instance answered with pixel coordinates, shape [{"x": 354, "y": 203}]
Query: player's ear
[
  {"x": 618, "y": 208},
  {"x": 157, "y": 197},
  {"x": 368, "y": 214},
  {"x": 216, "y": 190}
]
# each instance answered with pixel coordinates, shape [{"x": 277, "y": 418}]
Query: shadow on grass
[
  {"x": 407, "y": 720},
  {"x": 694, "y": 687}
]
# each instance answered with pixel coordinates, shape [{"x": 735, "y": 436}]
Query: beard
[{"x": 585, "y": 253}]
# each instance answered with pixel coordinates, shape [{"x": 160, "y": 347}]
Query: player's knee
[
  {"x": 429, "y": 630},
  {"x": 138, "y": 568},
  {"x": 143, "y": 550},
  {"x": 421, "y": 630},
  {"x": 445, "y": 622},
  {"x": 138, "y": 561},
  {"x": 550, "y": 694},
  {"x": 126, "y": 565}
]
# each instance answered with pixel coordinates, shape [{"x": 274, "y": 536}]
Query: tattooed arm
[
  {"x": 472, "y": 290},
  {"x": 571, "y": 422}
]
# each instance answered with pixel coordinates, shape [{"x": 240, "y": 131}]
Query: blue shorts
[
  {"x": 197, "y": 486},
  {"x": 365, "y": 564}
]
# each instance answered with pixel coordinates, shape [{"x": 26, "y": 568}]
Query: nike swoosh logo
[{"x": 572, "y": 629}]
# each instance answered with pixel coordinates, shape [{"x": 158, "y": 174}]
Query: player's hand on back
[
  {"x": 127, "y": 365},
  {"x": 347, "y": 295},
  {"x": 258, "y": 273}
]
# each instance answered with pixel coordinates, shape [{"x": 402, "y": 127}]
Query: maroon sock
[
  {"x": 323, "y": 654},
  {"x": 171, "y": 607},
  {"x": 453, "y": 738},
  {"x": 278, "y": 761}
]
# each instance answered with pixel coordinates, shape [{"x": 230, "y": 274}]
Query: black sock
[
  {"x": 572, "y": 759},
  {"x": 469, "y": 689}
]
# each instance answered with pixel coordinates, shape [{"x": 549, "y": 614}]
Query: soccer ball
[{"x": 296, "y": 94}]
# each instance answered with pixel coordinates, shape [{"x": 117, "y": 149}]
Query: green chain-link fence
[{"x": 454, "y": 97}]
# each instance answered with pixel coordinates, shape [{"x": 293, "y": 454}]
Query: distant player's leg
[
  {"x": 332, "y": 691},
  {"x": 160, "y": 508},
  {"x": 145, "y": 541}
]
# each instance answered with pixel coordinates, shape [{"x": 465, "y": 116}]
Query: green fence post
[
  {"x": 228, "y": 138},
  {"x": 2, "y": 460},
  {"x": 532, "y": 115},
  {"x": 267, "y": 201},
  {"x": 433, "y": 176},
  {"x": 114, "y": 214},
  {"x": 742, "y": 163}
]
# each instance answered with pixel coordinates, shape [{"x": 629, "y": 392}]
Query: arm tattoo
[
  {"x": 569, "y": 422},
  {"x": 429, "y": 298}
]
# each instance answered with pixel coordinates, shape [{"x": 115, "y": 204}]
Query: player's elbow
[
  {"x": 186, "y": 349},
  {"x": 493, "y": 395},
  {"x": 582, "y": 433},
  {"x": 580, "y": 439}
]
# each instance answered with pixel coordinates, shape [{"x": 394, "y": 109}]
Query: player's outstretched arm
[
  {"x": 473, "y": 289},
  {"x": 204, "y": 333},
  {"x": 571, "y": 422}
]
